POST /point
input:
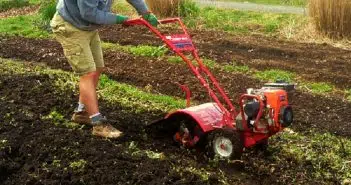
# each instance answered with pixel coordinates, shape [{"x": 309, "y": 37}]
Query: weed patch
[
  {"x": 274, "y": 75},
  {"x": 47, "y": 11},
  {"x": 134, "y": 150},
  {"x": 22, "y": 26},
  {"x": 348, "y": 94},
  {"x": 8, "y": 4},
  {"x": 319, "y": 88},
  {"x": 329, "y": 155},
  {"x": 78, "y": 165},
  {"x": 175, "y": 59},
  {"x": 58, "y": 120},
  {"x": 275, "y": 2},
  {"x": 140, "y": 50},
  {"x": 210, "y": 63},
  {"x": 239, "y": 21},
  {"x": 148, "y": 51},
  {"x": 236, "y": 68}
]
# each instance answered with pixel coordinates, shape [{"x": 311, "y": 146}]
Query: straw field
[{"x": 332, "y": 17}]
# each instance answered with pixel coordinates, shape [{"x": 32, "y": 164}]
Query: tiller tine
[{"x": 162, "y": 128}]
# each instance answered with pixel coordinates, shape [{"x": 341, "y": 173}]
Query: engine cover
[
  {"x": 275, "y": 115},
  {"x": 279, "y": 108}
]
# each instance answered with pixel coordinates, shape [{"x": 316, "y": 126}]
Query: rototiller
[{"x": 224, "y": 131}]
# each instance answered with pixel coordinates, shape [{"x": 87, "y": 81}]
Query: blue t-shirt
[{"x": 90, "y": 14}]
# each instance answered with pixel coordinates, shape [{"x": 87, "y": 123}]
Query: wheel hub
[{"x": 223, "y": 146}]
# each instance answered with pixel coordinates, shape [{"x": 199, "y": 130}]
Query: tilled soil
[
  {"x": 325, "y": 114},
  {"x": 314, "y": 62},
  {"x": 38, "y": 152}
]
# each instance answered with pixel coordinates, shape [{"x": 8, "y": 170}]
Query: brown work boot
[
  {"x": 81, "y": 117},
  {"x": 106, "y": 130}
]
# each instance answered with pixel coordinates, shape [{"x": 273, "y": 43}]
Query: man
[{"x": 75, "y": 27}]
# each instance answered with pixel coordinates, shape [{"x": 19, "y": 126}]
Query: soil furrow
[{"x": 314, "y": 62}]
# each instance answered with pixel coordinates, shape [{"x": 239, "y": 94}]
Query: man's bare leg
[
  {"x": 87, "y": 92},
  {"x": 96, "y": 81}
]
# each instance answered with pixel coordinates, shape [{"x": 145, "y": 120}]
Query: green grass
[
  {"x": 274, "y": 2},
  {"x": 47, "y": 10},
  {"x": 8, "y": 4},
  {"x": 140, "y": 50},
  {"x": 78, "y": 165},
  {"x": 319, "y": 88},
  {"x": 148, "y": 51},
  {"x": 210, "y": 63},
  {"x": 243, "y": 22},
  {"x": 35, "y": 1},
  {"x": 58, "y": 120},
  {"x": 235, "y": 21},
  {"x": 175, "y": 59},
  {"x": 236, "y": 68},
  {"x": 348, "y": 94},
  {"x": 329, "y": 155},
  {"x": 239, "y": 21},
  {"x": 135, "y": 151},
  {"x": 114, "y": 47},
  {"x": 274, "y": 75},
  {"x": 22, "y": 26}
]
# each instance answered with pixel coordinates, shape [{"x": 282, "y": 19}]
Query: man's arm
[
  {"x": 139, "y": 5},
  {"x": 143, "y": 10},
  {"x": 89, "y": 12}
]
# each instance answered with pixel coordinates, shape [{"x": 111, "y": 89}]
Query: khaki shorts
[{"x": 81, "y": 48}]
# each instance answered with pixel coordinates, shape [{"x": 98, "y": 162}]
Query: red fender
[{"x": 208, "y": 116}]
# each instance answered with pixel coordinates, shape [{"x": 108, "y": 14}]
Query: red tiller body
[{"x": 221, "y": 113}]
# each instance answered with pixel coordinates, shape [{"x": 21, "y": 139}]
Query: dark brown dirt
[
  {"x": 314, "y": 62},
  {"x": 325, "y": 114},
  {"x": 37, "y": 152},
  {"x": 19, "y": 11}
]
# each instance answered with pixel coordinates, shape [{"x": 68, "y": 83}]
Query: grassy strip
[
  {"x": 240, "y": 21},
  {"x": 140, "y": 50},
  {"x": 319, "y": 88},
  {"x": 328, "y": 155},
  {"x": 274, "y": 2},
  {"x": 207, "y": 18},
  {"x": 274, "y": 75},
  {"x": 234, "y": 21},
  {"x": 9, "y": 4},
  {"x": 25, "y": 26}
]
